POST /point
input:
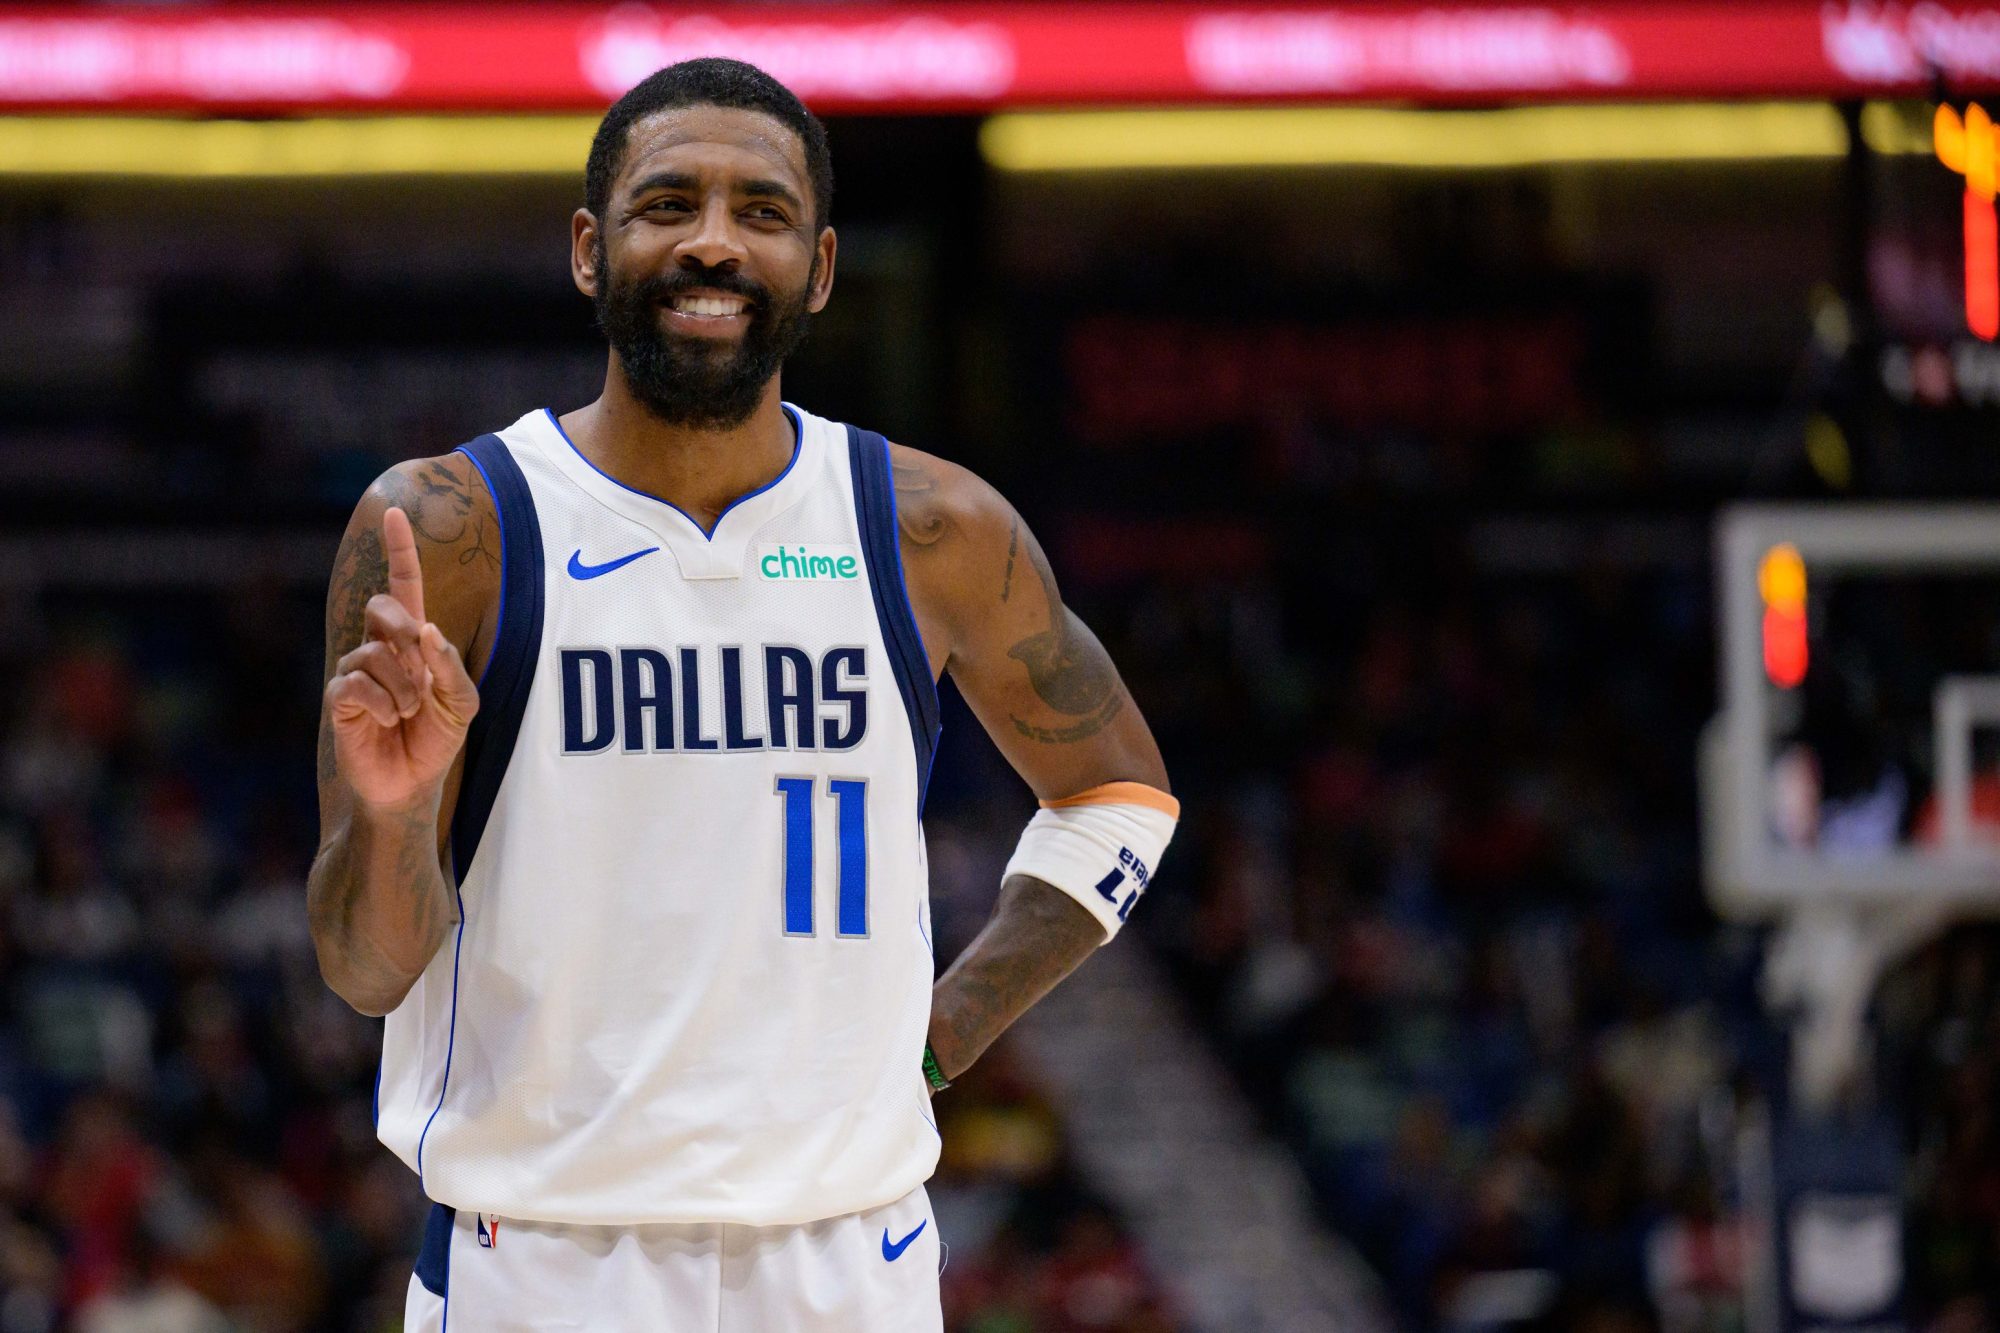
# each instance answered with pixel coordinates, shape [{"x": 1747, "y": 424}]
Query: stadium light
[
  {"x": 1382, "y": 137},
  {"x": 161, "y": 147},
  {"x": 1969, "y": 145}
]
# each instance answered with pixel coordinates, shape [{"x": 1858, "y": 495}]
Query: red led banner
[{"x": 975, "y": 57}]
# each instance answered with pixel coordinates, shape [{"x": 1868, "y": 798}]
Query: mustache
[{"x": 663, "y": 287}]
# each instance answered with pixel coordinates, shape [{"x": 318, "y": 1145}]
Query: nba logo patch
[{"x": 489, "y": 1231}]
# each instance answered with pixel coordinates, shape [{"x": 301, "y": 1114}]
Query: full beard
[{"x": 693, "y": 382}]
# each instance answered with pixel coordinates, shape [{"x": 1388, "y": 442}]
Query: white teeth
[{"x": 710, "y": 305}]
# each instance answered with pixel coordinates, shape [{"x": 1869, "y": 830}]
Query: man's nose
[{"x": 716, "y": 240}]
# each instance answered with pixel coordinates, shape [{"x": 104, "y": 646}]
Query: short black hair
[{"x": 708, "y": 81}]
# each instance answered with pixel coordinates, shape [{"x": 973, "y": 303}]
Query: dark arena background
[{"x": 1538, "y": 469}]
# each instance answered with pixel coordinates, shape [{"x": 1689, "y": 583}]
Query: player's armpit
[{"x": 991, "y": 613}]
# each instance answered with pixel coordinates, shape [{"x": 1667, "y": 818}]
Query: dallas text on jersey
[{"x": 629, "y": 696}]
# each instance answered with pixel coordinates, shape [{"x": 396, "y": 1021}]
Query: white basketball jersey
[{"x": 691, "y": 981}]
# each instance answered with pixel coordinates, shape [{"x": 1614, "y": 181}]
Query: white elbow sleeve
[{"x": 1101, "y": 847}]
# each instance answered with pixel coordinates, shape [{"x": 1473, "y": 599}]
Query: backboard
[{"x": 1855, "y": 762}]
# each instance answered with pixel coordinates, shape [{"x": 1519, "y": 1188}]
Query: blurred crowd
[
  {"x": 186, "y": 1136},
  {"x": 1940, "y": 1019},
  {"x": 1456, "y": 949},
  {"x": 1441, "y": 912}
]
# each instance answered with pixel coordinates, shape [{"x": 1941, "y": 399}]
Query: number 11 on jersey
[{"x": 850, "y": 813}]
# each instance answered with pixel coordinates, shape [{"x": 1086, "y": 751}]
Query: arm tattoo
[
  {"x": 918, "y": 512},
  {"x": 418, "y": 868},
  {"x": 359, "y": 572},
  {"x": 441, "y": 504},
  {"x": 1013, "y": 544},
  {"x": 1038, "y": 936},
  {"x": 439, "y": 508},
  {"x": 1081, "y": 731},
  {"x": 1069, "y": 669},
  {"x": 478, "y": 551},
  {"x": 414, "y": 877}
]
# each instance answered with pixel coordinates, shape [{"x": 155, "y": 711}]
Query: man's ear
[
  {"x": 583, "y": 251},
  {"x": 822, "y": 285}
]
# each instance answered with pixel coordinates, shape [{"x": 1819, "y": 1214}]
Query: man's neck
[{"x": 700, "y": 472}]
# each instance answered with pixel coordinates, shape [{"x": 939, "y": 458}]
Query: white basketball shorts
[{"x": 872, "y": 1272}]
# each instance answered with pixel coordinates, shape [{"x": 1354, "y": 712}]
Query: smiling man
[{"x": 643, "y": 891}]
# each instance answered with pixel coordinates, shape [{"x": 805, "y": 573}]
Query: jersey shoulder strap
[
  {"x": 881, "y": 547},
  {"x": 509, "y": 671}
]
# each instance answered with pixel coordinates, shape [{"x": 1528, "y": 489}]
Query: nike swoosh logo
[
  {"x": 894, "y": 1252},
  {"x": 579, "y": 570}
]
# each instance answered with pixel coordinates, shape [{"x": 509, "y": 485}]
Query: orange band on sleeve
[{"x": 1121, "y": 793}]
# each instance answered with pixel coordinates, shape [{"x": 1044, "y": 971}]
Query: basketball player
[{"x": 628, "y": 719}]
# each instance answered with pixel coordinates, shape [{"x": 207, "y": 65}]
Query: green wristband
[{"x": 931, "y": 1071}]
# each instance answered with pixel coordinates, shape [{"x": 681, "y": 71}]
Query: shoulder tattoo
[
  {"x": 919, "y": 511},
  {"x": 438, "y": 503},
  {"x": 442, "y": 510}
]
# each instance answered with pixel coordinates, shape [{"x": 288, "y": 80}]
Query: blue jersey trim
[
  {"x": 451, "y": 1035},
  {"x": 493, "y": 649},
  {"x": 434, "y": 1259},
  {"x": 707, "y": 534},
  {"x": 509, "y": 673},
  {"x": 875, "y": 506}
]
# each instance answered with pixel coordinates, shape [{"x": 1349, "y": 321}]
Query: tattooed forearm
[
  {"x": 406, "y": 844},
  {"x": 377, "y": 898},
  {"x": 1037, "y": 936},
  {"x": 380, "y": 906}
]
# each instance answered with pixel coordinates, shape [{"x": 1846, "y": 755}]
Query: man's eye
[{"x": 668, "y": 204}]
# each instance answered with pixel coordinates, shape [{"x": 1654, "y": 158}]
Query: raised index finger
[{"x": 406, "y": 572}]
